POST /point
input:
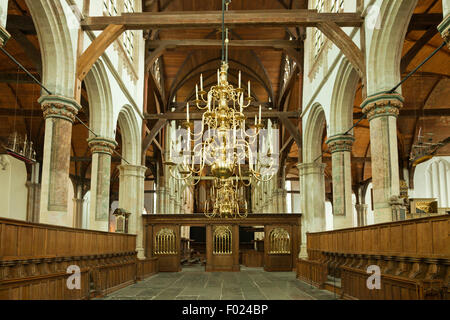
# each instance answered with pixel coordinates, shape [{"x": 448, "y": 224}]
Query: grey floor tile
[{"x": 194, "y": 283}]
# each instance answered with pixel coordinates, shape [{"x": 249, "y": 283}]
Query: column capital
[
  {"x": 311, "y": 168},
  {"x": 132, "y": 170},
  {"x": 4, "y": 36},
  {"x": 444, "y": 29},
  {"x": 382, "y": 104},
  {"x": 340, "y": 143},
  {"x": 102, "y": 145},
  {"x": 54, "y": 106}
]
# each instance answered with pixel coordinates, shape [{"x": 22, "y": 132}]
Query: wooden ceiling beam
[
  {"x": 198, "y": 115},
  {"x": 151, "y": 136},
  {"x": 418, "y": 45},
  {"x": 423, "y": 21},
  {"x": 351, "y": 51},
  {"x": 213, "y": 19},
  {"x": 238, "y": 44},
  {"x": 27, "y": 113}
]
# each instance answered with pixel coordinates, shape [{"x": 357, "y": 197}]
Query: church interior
[{"x": 225, "y": 149}]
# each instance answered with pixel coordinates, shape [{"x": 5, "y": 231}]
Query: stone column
[
  {"x": 282, "y": 195},
  {"x": 167, "y": 201},
  {"x": 59, "y": 113},
  {"x": 78, "y": 202},
  {"x": 312, "y": 188},
  {"x": 341, "y": 153},
  {"x": 160, "y": 192},
  {"x": 34, "y": 192},
  {"x": 382, "y": 111},
  {"x": 4, "y": 35},
  {"x": 102, "y": 149},
  {"x": 361, "y": 212},
  {"x": 131, "y": 198}
]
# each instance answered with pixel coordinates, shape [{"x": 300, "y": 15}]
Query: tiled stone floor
[{"x": 195, "y": 284}]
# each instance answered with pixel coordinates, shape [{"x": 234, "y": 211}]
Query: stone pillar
[
  {"x": 4, "y": 35},
  {"x": 131, "y": 198},
  {"x": 78, "y": 202},
  {"x": 312, "y": 188},
  {"x": 102, "y": 149},
  {"x": 160, "y": 192},
  {"x": 361, "y": 213},
  {"x": 341, "y": 153},
  {"x": 59, "y": 113},
  {"x": 382, "y": 111},
  {"x": 34, "y": 192},
  {"x": 282, "y": 195},
  {"x": 166, "y": 201}
]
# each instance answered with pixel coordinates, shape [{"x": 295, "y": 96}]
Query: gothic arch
[
  {"x": 385, "y": 45},
  {"x": 341, "y": 118},
  {"x": 100, "y": 101},
  {"x": 131, "y": 138},
  {"x": 57, "y": 49},
  {"x": 313, "y": 133}
]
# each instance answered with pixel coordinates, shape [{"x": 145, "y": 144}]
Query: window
[
  {"x": 317, "y": 35},
  {"x": 110, "y": 7},
  {"x": 128, "y": 36},
  {"x": 337, "y": 5}
]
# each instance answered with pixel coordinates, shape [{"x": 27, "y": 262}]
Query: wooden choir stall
[{"x": 223, "y": 247}]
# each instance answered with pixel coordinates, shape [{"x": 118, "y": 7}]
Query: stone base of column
[
  {"x": 303, "y": 252},
  {"x": 140, "y": 253},
  {"x": 4, "y": 36},
  {"x": 444, "y": 29}
]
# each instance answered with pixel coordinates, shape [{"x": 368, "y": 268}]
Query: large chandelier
[
  {"x": 223, "y": 141},
  {"x": 225, "y": 200}
]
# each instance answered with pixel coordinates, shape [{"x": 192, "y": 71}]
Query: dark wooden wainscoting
[
  {"x": 413, "y": 257},
  {"x": 34, "y": 261}
]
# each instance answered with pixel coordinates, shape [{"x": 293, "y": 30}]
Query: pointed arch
[
  {"x": 131, "y": 138},
  {"x": 385, "y": 45},
  {"x": 341, "y": 117},
  {"x": 57, "y": 47},
  {"x": 100, "y": 100},
  {"x": 315, "y": 124}
]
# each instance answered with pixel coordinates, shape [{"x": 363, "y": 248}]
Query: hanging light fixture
[
  {"x": 20, "y": 148},
  {"x": 221, "y": 141},
  {"x": 225, "y": 200}
]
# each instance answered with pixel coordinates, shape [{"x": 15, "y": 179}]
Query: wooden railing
[
  {"x": 34, "y": 261},
  {"x": 413, "y": 256}
]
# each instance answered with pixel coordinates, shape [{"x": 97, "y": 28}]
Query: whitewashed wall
[{"x": 13, "y": 189}]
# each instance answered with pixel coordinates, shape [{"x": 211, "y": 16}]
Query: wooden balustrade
[
  {"x": 34, "y": 261},
  {"x": 413, "y": 257}
]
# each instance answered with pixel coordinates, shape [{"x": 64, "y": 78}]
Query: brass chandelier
[
  {"x": 225, "y": 200},
  {"x": 222, "y": 141}
]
